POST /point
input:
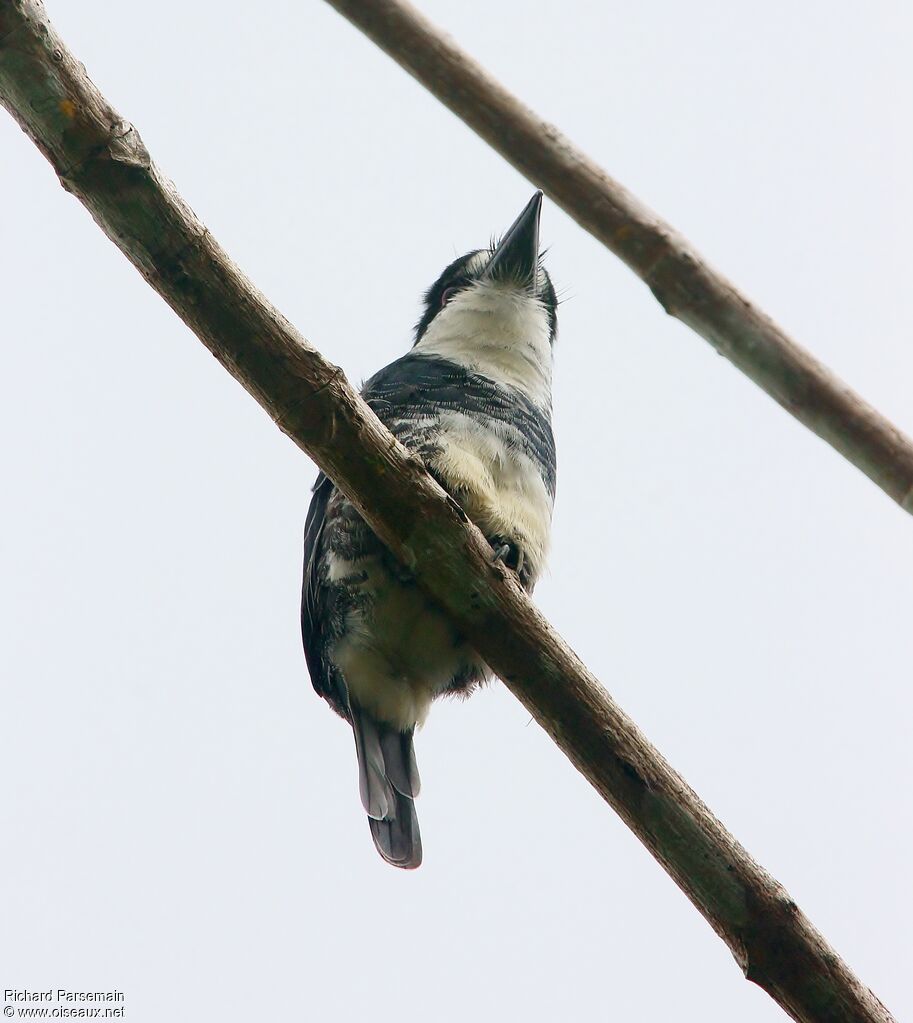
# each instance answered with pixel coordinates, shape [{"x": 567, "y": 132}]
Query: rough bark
[
  {"x": 682, "y": 282},
  {"x": 101, "y": 159}
]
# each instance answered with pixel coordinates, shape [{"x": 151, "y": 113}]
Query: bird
[{"x": 473, "y": 399}]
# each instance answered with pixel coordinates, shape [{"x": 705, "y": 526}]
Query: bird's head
[{"x": 494, "y": 293}]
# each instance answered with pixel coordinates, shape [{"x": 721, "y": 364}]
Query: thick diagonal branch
[
  {"x": 682, "y": 282},
  {"x": 101, "y": 159}
]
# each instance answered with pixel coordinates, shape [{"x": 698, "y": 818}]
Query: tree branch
[
  {"x": 101, "y": 159},
  {"x": 684, "y": 285}
]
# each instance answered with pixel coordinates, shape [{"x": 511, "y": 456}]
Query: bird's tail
[{"x": 388, "y": 782}]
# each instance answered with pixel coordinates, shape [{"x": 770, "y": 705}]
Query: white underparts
[
  {"x": 402, "y": 652},
  {"x": 499, "y": 331},
  {"x": 397, "y": 651},
  {"x": 500, "y": 487}
]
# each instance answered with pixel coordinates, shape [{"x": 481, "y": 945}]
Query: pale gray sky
[{"x": 180, "y": 812}]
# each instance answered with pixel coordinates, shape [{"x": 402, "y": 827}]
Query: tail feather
[
  {"x": 399, "y": 760},
  {"x": 397, "y": 838},
  {"x": 377, "y": 796},
  {"x": 388, "y": 782}
]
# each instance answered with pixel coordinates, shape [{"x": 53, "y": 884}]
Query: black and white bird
[{"x": 473, "y": 398}]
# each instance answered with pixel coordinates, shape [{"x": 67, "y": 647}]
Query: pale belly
[
  {"x": 398, "y": 651},
  {"x": 499, "y": 488}
]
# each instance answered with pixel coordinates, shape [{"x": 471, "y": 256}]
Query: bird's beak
[{"x": 517, "y": 256}]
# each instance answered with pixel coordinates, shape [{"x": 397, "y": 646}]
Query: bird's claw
[
  {"x": 501, "y": 553},
  {"x": 509, "y": 554}
]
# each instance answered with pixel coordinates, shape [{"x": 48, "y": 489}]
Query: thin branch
[
  {"x": 684, "y": 285},
  {"x": 101, "y": 159}
]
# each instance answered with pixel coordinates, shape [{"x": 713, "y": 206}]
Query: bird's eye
[{"x": 447, "y": 295}]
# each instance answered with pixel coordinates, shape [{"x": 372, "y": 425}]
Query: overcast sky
[{"x": 180, "y": 813}]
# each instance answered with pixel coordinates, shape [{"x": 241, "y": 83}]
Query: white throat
[{"x": 498, "y": 331}]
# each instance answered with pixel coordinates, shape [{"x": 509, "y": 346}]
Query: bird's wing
[
  {"x": 314, "y": 612},
  {"x": 412, "y": 394}
]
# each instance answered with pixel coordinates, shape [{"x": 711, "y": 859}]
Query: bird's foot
[
  {"x": 508, "y": 553},
  {"x": 501, "y": 552}
]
